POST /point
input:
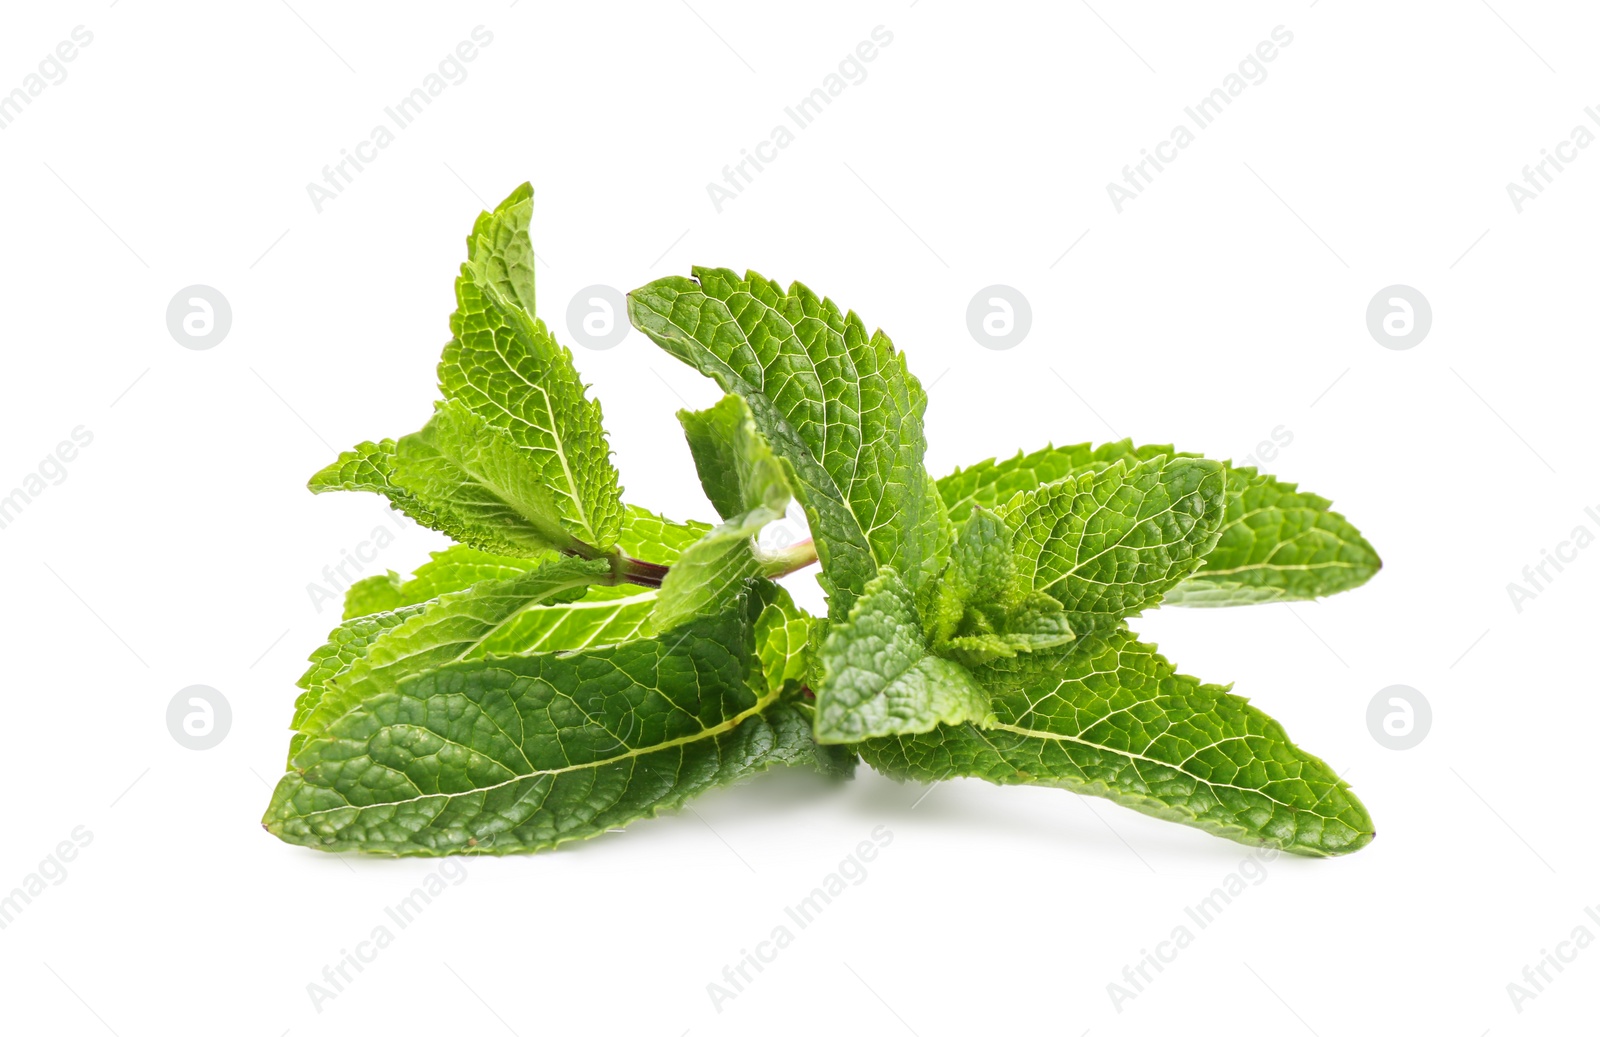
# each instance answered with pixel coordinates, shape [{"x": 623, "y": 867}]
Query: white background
[{"x": 1226, "y": 301}]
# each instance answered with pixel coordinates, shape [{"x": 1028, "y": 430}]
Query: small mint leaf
[
  {"x": 879, "y": 678},
  {"x": 983, "y": 607},
  {"x": 786, "y": 645},
  {"x": 749, "y": 486},
  {"x": 982, "y": 571}
]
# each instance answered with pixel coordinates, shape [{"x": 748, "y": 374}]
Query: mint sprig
[{"x": 576, "y": 662}]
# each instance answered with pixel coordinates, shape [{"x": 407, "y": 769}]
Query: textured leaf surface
[
  {"x": 983, "y": 607},
  {"x": 377, "y": 593},
  {"x": 504, "y": 365},
  {"x": 460, "y": 467},
  {"x": 749, "y": 486},
  {"x": 455, "y": 626},
  {"x": 500, "y": 250},
  {"x": 737, "y": 467},
  {"x": 1110, "y": 717},
  {"x": 603, "y": 615},
  {"x": 515, "y": 754},
  {"x": 346, "y": 645},
  {"x": 989, "y": 484},
  {"x": 1032, "y": 632},
  {"x": 455, "y": 568},
  {"x": 982, "y": 570},
  {"x": 366, "y": 466},
  {"x": 879, "y": 678},
  {"x": 652, "y": 538},
  {"x": 837, "y": 403},
  {"x": 369, "y": 467},
  {"x": 710, "y": 574},
  {"x": 1278, "y": 544},
  {"x": 1109, "y": 543},
  {"x": 786, "y": 642}
]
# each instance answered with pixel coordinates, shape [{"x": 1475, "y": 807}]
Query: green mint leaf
[
  {"x": 749, "y": 486},
  {"x": 458, "y": 567},
  {"x": 509, "y": 616},
  {"x": 835, "y": 761},
  {"x": 602, "y": 616},
  {"x": 645, "y": 535},
  {"x": 500, "y": 250},
  {"x": 369, "y": 467},
  {"x": 879, "y": 678},
  {"x": 371, "y": 594},
  {"x": 455, "y": 568},
  {"x": 1034, "y": 629},
  {"x": 786, "y": 642},
  {"x": 522, "y": 753},
  {"x": 504, "y": 366},
  {"x": 505, "y": 698},
  {"x": 461, "y": 468},
  {"x": 708, "y": 575},
  {"x": 982, "y": 570},
  {"x": 835, "y": 402},
  {"x": 1110, "y": 717},
  {"x": 1109, "y": 543},
  {"x": 651, "y": 538},
  {"x": 365, "y": 467},
  {"x": 462, "y": 477},
  {"x": 983, "y": 608},
  {"x": 346, "y": 645},
  {"x": 456, "y": 626},
  {"x": 989, "y": 484},
  {"x": 1278, "y": 544},
  {"x": 737, "y": 467}
]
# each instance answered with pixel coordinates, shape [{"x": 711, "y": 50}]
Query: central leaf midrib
[
  {"x": 574, "y": 494},
  {"x": 1055, "y": 736},
  {"x": 724, "y": 727}
]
